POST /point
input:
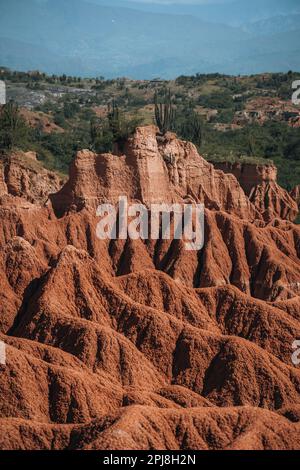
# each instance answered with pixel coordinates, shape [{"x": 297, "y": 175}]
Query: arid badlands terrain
[{"x": 143, "y": 344}]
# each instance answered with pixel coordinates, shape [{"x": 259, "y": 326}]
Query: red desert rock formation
[
  {"x": 296, "y": 194},
  {"x": 22, "y": 175},
  {"x": 153, "y": 169},
  {"x": 260, "y": 184},
  {"x": 139, "y": 345}
]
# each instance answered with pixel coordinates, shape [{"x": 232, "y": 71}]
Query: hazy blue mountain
[
  {"x": 276, "y": 24},
  {"x": 233, "y": 12},
  {"x": 83, "y": 38},
  {"x": 20, "y": 55}
]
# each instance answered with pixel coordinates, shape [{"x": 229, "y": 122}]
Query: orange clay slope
[{"x": 142, "y": 344}]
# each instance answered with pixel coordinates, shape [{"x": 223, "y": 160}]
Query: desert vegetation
[{"x": 206, "y": 109}]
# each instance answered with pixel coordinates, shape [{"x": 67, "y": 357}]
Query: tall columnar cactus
[
  {"x": 164, "y": 113},
  {"x": 191, "y": 129},
  {"x": 114, "y": 119}
]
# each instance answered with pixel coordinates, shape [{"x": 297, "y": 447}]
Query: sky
[{"x": 189, "y": 2}]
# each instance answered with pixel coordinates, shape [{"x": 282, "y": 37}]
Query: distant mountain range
[
  {"x": 234, "y": 12},
  {"x": 142, "y": 40}
]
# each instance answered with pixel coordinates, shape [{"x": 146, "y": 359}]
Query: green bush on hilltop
[{"x": 14, "y": 131}]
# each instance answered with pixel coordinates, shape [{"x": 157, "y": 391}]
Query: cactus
[
  {"x": 164, "y": 113},
  {"x": 191, "y": 129},
  {"x": 114, "y": 119}
]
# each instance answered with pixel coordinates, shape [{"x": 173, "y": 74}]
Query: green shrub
[{"x": 14, "y": 131}]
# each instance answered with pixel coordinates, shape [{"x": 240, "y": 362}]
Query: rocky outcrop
[
  {"x": 274, "y": 201},
  {"x": 260, "y": 184},
  {"x": 249, "y": 175},
  {"x": 295, "y": 194},
  {"x": 156, "y": 169},
  {"x": 121, "y": 344},
  {"x": 153, "y": 169},
  {"x": 22, "y": 175}
]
